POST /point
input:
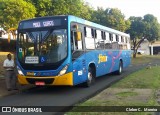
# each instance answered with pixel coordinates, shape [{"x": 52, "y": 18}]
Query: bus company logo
[
  {"x": 30, "y": 73},
  {"x": 102, "y": 58},
  {"x": 6, "y": 109}
]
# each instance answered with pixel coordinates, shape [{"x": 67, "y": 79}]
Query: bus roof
[
  {"x": 72, "y": 18},
  {"x": 89, "y": 23}
]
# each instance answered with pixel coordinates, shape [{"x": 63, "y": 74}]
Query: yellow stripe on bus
[{"x": 66, "y": 79}]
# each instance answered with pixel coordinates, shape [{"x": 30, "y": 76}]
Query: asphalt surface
[{"x": 65, "y": 96}]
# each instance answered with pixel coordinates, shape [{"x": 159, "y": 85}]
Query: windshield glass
[{"x": 42, "y": 47}]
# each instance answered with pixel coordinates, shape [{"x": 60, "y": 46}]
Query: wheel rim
[
  {"x": 89, "y": 76},
  {"x": 120, "y": 69}
]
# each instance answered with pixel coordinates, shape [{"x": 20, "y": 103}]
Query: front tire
[{"x": 91, "y": 77}]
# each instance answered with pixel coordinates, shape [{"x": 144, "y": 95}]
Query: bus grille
[{"x": 46, "y": 81}]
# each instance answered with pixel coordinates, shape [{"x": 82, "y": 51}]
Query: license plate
[{"x": 39, "y": 83}]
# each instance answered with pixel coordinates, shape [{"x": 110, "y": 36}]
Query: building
[
  {"x": 155, "y": 48},
  {"x": 148, "y": 48}
]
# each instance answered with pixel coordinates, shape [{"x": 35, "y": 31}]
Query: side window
[
  {"x": 85, "y": 33},
  {"x": 88, "y": 31},
  {"x": 76, "y": 44},
  {"x": 110, "y": 37},
  {"x": 99, "y": 41},
  {"x": 80, "y": 44},
  {"x": 117, "y": 38},
  {"x": 89, "y": 39},
  {"x": 122, "y": 39},
  {"x": 95, "y": 33},
  {"x": 104, "y": 33},
  {"x": 114, "y": 37},
  {"x": 107, "y": 42},
  {"x": 107, "y": 37},
  {"x": 126, "y": 40},
  {"x": 123, "y": 43},
  {"x": 115, "y": 44}
]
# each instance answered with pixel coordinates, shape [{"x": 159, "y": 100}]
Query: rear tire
[
  {"x": 91, "y": 78},
  {"x": 120, "y": 69}
]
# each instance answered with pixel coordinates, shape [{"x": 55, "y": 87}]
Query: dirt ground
[{"x": 111, "y": 94}]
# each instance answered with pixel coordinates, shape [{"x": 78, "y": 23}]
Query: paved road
[{"x": 65, "y": 96}]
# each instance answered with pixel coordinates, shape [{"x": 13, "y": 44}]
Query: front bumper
[{"x": 66, "y": 79}]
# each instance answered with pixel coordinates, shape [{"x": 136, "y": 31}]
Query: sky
[{"x": 130, "y": 7}]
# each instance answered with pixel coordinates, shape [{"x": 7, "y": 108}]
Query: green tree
[
  {"x": 136, "y": 32},
  {"x": 43, "y": 7},
  {"x": 111, "y": 17},
  {"x": 151, "y": 29},
  {"x": 12, "y": 11},
  {"x": 143, "y": 28},
  {"x": 62, "y": 7}
]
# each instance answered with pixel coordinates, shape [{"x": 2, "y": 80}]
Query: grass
[
  {"x": 145, "y": 78},
  {"x": 126, "y": 94},
  {"x": 142, "y": 79},
  {"x": 141, "y": 59}
]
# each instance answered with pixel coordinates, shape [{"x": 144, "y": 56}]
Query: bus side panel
[
  {"x": 102, "y": 61},
  {"x": 126, "y": 58},
  {"x": 103, "y": 65},
  {"x": 113, "y": 57},
  {"x": 115, "y": 60},
  {"x": 96, "y": 57},
  {"x": 100, "y": 66},
  {"x": 81, "y": 64},
  {"x": 79, "y": 70}
]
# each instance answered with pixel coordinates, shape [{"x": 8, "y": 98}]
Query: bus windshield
[{"x": 42, "y": 47}]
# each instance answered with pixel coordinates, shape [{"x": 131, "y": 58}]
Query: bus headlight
[
  {"x": 19, "y": 71},
  {"x": 63, "y": 71}
]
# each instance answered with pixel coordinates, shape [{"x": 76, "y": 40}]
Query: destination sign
[
  {"x": 44, "y": 24},
  {"x": 39, "y": 23}
]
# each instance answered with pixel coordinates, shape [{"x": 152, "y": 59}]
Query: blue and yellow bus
[{"x": 67, "y": 50}]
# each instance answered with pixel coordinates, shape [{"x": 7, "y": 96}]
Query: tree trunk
[
  {"x": 134, "y": 48},
  {"x": 136, "y": 45}
]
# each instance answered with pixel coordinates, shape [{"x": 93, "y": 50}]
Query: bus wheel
[
  {"x": 119, "y": 72},
  {"x": 91, "y": 77}
]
